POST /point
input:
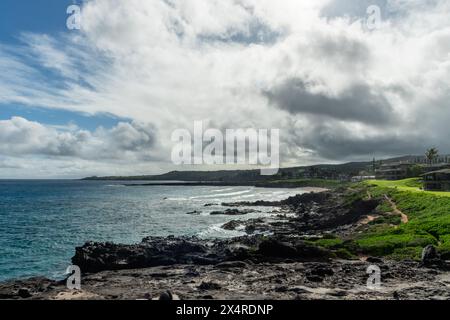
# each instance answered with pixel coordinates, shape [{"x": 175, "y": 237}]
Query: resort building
[
  {"x": 437, "y": 180},
  {"x": 393, "y": 171},
  {"x": 362, "y": 178}
]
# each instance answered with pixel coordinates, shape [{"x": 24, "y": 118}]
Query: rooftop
[{"x": 438, "y": 171}]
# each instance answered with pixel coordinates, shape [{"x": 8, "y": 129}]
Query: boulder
[
  {"x": 275, "y": 248},
  {"x": 166, "y": 296},
  {"x": 232, "y": 225},
  {"x": 24, "y": 293},
  {"x": 232, "y": 212},
  {"x": 430, "y": 256}
]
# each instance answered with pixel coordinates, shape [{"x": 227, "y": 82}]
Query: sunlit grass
[
  {"x": 411, "y": 185},
  {"x": 429, "y": 221}
]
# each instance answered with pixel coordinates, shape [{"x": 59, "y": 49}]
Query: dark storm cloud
[
  {"x": 335, "y": 141},
  {"x": 359, "y": 103}
]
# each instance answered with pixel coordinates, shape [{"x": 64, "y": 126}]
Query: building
[
  {"x": 437, "y": 180},
  {"x": 393, "y": 171},
  {"x": 362, "y": 178}
]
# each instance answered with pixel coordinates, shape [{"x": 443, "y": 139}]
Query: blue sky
[{"x": 42, "y": 17}]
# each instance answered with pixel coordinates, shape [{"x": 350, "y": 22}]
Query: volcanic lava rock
[
  {"x": 24, "y": 293},
  {"x": 166, "y": 296},
  {"x": 232, "y": 212},
  {"x": 430, "y": 256},
  {"x": 232, "y": 225},
  {"x": 274, "y": 248},
  {"x": 152, "y": 251}
]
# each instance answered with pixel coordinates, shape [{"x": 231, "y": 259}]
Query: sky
[{"x": 104, "y": 99}]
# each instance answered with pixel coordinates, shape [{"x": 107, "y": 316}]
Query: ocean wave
[
  {"x": 222, "y": 190},
  {"x": 221, "y": 195},
  {"x": 216, "y": 231}
]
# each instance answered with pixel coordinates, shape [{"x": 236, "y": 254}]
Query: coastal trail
[{"x": 395, "y": 209}]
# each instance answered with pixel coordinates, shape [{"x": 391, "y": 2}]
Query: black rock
[
  {"x": 148, "y": 296},
  {"x": 232, "y": 225},
  {"x": 231, "y": 264},
  {"x": 210, "y": 204},
  {"x": 274, "y": 248},
  {"x": 232, "y": 212},
  {"x": 151, "y": 252},
  {"x": 322, "y": 271},
  {"x": 374, "y": 260},
  {"x": 167, "y": 295},
  {"x": 24, "y": 293},
  {"x": 314, "y": 278},
  {"x": 430, "y": 256}
]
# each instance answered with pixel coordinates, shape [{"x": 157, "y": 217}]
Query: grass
[
  {"x": 411, "y": 185},
  {"x": 429, "y": 221}
]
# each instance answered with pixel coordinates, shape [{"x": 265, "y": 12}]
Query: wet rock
[
  {"x": 232, "y": 212},
  {"x": 232, "y": 225},
  {"x": 194, "y": 213},
  {"x": 259, "y": 203},
  {"x": 211, "y": 204}
]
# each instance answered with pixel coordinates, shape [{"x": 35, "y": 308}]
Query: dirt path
[
  {"x": 367, "y": 220},
  {"x": 395, "y": 210}
]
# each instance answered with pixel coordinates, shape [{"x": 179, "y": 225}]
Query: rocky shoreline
[{"x": 275, "y": 260}]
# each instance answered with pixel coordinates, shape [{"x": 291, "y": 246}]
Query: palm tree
[{"x": 431, "y": 155}]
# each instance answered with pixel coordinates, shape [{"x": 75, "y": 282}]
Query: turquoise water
[{"x": 41, "y": 222}]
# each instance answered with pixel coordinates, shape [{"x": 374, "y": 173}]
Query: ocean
[{"x": 41, "y": 222}]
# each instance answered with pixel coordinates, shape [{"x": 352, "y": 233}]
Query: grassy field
[
  {"x": 412, "y": 185},
  {"x": 429, "y": 221}
]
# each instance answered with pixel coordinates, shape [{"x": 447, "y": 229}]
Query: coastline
[
  {"x": 285, "y": 185},
  {"x": 275, "y": 260}
]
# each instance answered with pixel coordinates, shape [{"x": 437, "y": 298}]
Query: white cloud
[{"x": 126, "y": 141}]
